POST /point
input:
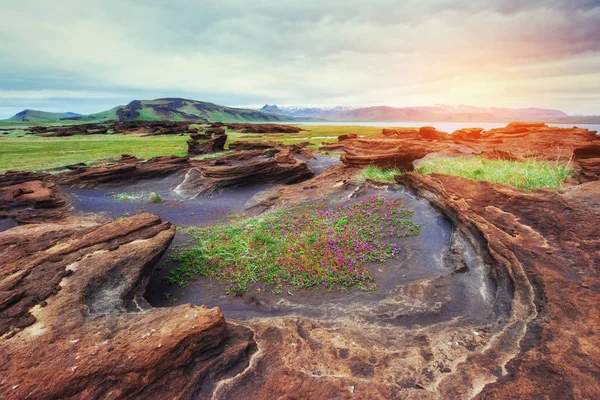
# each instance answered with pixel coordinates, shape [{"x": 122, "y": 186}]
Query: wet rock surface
[{"x": 73, "y": 323}]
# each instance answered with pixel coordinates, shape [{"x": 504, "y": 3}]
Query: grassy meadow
[
  {"x": 20, "y": 151},
  {"x": 523, "y": 175}
]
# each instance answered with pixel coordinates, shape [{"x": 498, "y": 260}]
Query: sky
[{"x": 87, "y": 56}]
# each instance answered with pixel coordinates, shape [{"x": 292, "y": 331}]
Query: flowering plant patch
[{"x": 309, "y": 245}]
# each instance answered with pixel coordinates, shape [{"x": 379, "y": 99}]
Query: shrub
[{"x": 155, "y": 198}]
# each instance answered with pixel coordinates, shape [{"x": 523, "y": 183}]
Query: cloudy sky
[{"x": 87, "y": 56}]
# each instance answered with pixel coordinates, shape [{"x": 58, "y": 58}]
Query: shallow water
[
  {"x": 447, "y": 295},
  {"x": 6, "y": 224},
  {"x": 178, "y": 209}
]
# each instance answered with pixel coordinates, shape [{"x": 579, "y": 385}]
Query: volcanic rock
[
  {"x": 28, "y": 197},
  {"x": 263, "y": 128},
  {"x": 215, "y": 144},
  {"x": 399, "y": 148},
  {"x": 248, "y": 167},
  {"x": 548, "y": 244},
  {"x": 127, "y": 170},
  {"x": 587, "y": 163},
  {"x": 73, "y": 324}
]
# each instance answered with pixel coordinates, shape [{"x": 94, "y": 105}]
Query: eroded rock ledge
[{"x": 73, "y": 324}]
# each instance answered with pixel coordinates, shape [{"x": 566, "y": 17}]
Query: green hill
[
  {"x": 40, "y": 116},
  {"x": 168, "y": 109}
]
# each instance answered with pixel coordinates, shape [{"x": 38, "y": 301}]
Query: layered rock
[
  {"x": 548, "y": 244},
  {"x": 399, "y": 148},
  {"x": 73, "y": 323},
  {"x": 261, "y": 128},
  {"x": 249, "y": 167},
  {"x": 126, "y": 170},
  {"x": 339, "y": 145},
  {"x": 542, "y": 251},
  {"x": 29, "y": 197},
  {"x": 215, "y": 143},
  {"x": 587, "y": 163}
]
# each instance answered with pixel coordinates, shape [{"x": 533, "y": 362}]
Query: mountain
[
  {"x": 436, "y": 113},
  {"x": 40, "y": 116},
  {"x": 167, "y": 109}
]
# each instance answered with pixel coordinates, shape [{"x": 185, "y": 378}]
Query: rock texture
[
  {"x": 247, "y": 167},
  {"x": 549, "y": 245},
  {"x": 214, "y": 143},
  {"x": 399, "y": 148},
  {"x": 73, "y": 324},
  {"x": 29, "y": 197},
  {"x": 125, "y": 170},
  {"x": 542, "y": 251},
  {"x": 261, "y": 128},
  {"x": 587, "y": 163}
]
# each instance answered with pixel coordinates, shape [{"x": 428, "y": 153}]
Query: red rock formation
[
  {"x": 244, "y": 168},
  {"x": 262, "y": 128},
  {"x": 587, "y": 163},
  {"x": 399, "y": 148},
  {"x": 71, "y": 326},
  {"x": 128, "y": 169},
  {"x": 336, "y": 146},
  {"x": 214, "y": 144},
  {"x": 29, "y": 197},
  {"x": 548, "y": 244}
]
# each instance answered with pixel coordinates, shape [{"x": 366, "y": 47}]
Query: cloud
[{"x": 509, "y": 53}]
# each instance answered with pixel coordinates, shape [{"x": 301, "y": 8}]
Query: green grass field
[
  {"x": 19, "y": 151},
  {"x": 523, "y": 175}
]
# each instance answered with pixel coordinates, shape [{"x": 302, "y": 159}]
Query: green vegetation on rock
[
  {"x": 305, "y": 246},
  {"x": 520, "y": 174},
  {"x": 380, "y": 174}
]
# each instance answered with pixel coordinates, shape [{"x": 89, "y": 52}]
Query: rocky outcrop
[
  {"x": 128, "y": 169},
  {"x": 587, "y": 163},
  {"x": 261, "y": 128},
  {"x": 548, "y": 244},
  {"x": 339, "y": 145},
  {"x": 389, "y": 152},
  {"x": 247, "y": 167},
  {"x": 215, "y": 143},
  {"x": 300, "y": 149},
  {"x": 28, "y": 197},
  {"x": 73, "y": 323},
  {"x": 399, "y": 148}
]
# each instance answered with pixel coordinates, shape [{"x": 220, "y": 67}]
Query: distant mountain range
[
  {"x": 167, "y": 109},
  {"x": 437, "y": 113},
  {"x": 176, "y": 109}
]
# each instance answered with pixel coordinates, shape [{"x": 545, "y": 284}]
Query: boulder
[
  {"x": 215, "y": 144},
  {"x": 128, "y": 169},
  {"x": 73, "y": 323}
]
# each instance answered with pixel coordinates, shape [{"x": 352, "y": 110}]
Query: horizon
[{"x": 93, "y": 57}]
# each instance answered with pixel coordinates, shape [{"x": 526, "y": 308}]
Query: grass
[
  {"x": 305, "y": 246},
  {"x": 155, "y": 198},
  {"x": 213, "y": 155},
  {"x": 526, "y": 175},
  {"x": 380, "y": 174},
  {"x": 128, "y": 196},
  {"x": 32, "y": 153},
  {"x": 19, "y": 151}
]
